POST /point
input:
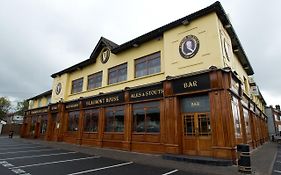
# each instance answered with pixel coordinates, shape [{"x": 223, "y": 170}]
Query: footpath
[{"x": 262, "y": 158}]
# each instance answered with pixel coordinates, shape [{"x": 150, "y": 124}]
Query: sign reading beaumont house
[
  {"x": 146, "y": 93},
  {"x": 193, "y": 83},
  {"x": 105, "y": 100}
]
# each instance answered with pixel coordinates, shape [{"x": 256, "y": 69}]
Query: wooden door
[{"x": 197, "y": 134}]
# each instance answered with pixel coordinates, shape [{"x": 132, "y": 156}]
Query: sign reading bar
[
  {"x": 73, "y": 105},
  {"x": 54, "y": 107},
  {"x": 105, "y": 99},
  {"x": 195, "y": 104},
  {"x": 189, "y": 84},
  {"x": 38, "y": 111},
  {"x": 145, "y": 93}
]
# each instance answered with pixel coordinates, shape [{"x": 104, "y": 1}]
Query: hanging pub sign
[
  {"x": 146, "y": 93},
  {"x": 105, "y": 100},
  {"x": 39, "y": 111},
  {"x": 72, "y": 105},
  {"x": 193, "y": 83}
]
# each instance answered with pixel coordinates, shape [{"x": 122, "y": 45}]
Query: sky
[{"x": 39, "y": 38}]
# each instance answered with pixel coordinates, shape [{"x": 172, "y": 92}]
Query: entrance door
[{"x": 197, "y": 134}]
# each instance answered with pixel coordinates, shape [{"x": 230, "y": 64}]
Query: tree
[
  {"x": 21, "y": 107},
  {"x": 5, "y": 107}
]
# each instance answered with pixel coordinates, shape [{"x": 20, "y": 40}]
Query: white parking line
[
  {"x": 22, "y": 147},
  {"x": 277, "y": 171},
  {"x": 41, "y": 155},
  {"x": 55, "y": 162},
  {"x": 29, "y": 151},
  {"x": 98, "y": 169},
  {"x": 12, "y": 145},
  {"x": 170, "y": 172}
]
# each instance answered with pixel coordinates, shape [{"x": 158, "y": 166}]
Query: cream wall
[
  {"x": 209, "y": 53},
  {"x": 125, "y": 57},
  {"x": 207, "y": 29},
  {"x": 44, "y": 102}
]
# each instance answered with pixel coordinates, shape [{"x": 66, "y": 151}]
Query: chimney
[{"x": 277, "y": 107}]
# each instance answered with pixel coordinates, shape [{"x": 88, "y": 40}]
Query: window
[
  {"x": 236, "y": 117},
  {"x": 247, "y": 123},
  {"x": 31, "y": 104},
  {"x": 91, "y": 120},
  {"x": 147, "y": 117},
  {"x": 117, "y": 74},
  {"x": 77, "y": 85},
  {"x": 43, "y": 125},
  {"x": 114, "y": 119},
  {"x": 39, "y": 103},
  {"x": 94, "y": 80},
  {"x": 147, "y": 65},
  {"x": 73, "y": 121},
  {"x": 48, "y": 100}
]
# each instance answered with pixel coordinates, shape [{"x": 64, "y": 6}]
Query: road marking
[
  {"x": 170, "y": 172},
  {"x": 103, "y": 168},
  {"x": 41, "y": 155},
  {"x": 29, "y": 151},
  {"x": 55, "y": 162},
  {"x": 22, "y": 148},
  {"x": 277, "y": 171},
  {"x": 9, "y": 145}
]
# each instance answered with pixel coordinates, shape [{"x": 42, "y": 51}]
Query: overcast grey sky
[{"x": 38, "y": 38}]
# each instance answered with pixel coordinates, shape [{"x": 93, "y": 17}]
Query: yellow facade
[{"x": 208, "y": 30}]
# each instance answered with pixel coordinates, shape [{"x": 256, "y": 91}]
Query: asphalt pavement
[{"x": 32, "y": 157}]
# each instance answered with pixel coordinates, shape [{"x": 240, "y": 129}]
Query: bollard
[{"x": 244, "y": 159}]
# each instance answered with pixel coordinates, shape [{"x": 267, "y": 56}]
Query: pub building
[{"x": 180, "y": 89}]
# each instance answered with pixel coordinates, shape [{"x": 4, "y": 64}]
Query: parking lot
[{"x": 17, "y": 157}]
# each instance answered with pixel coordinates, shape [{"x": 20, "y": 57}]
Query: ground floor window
[
  {"x": 114, "y": 119},
  {"x": 32, "y": 125},
  {"x": 43, "y": 124},
  {"x": 146, "y": 117},
  {"x": 247, "y": 123},
  {"x": 236, "y": 116},
  {"x": 91, "y": 120},
  {"x": 73, "y": 121}
]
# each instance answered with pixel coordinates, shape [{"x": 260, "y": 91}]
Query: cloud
[{"x": 39, "y": 38}]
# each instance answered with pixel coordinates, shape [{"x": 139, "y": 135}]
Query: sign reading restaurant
[{"x": 193, "y": 83}]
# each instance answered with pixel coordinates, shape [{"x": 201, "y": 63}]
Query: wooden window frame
[
  {"x": 118, "y": 69},
  {"x": 73, "y": 83},
  {"x": 95, "y": 84},
  {"x": 114, "y": 109},
  {"x": 146, "y": 59},
  {"x": 145, "y": 108}
]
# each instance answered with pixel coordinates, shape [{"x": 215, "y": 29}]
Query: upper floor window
[
  {"x": 94, "y": 80},
  {"x": 48, "y": 100},
  {"x": 39, "y": 102},
  {"x": 31, "y": 104},
  {"x": 117, "y": 74},
  {"x": 77, "y": 85},
  {"x": 147, "y": 65}
]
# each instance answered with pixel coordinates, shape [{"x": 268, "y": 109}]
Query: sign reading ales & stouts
[{"x": 146, "y": 93}]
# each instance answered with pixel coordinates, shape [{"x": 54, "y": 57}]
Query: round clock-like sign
[
  {"x": 105, "y": 55},
  {"x": 189, "y": 46},
  {"x": 58, "y": 88}
]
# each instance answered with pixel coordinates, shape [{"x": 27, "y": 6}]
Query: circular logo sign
[
  {"x": 189, "y": 46},
  {"x": 58, "y": 88},
  {"x": 105, "y": 55}
]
